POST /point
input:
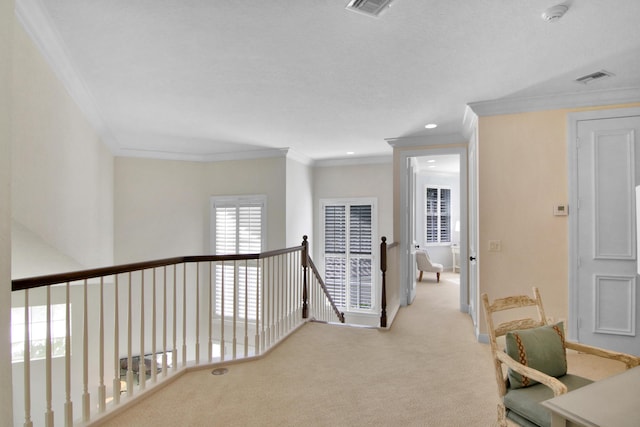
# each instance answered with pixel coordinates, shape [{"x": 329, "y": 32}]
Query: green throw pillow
[{"x": 540, "y": 348}]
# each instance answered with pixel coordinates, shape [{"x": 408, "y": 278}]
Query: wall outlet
[{"x": 495, "y": 245}]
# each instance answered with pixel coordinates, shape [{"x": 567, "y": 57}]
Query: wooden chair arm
[
  {"x": 554, "y": 384},
  {"x": 629, "y": 360}
]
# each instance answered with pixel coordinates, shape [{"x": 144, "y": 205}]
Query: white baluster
[
  {"x": 222, "y": 315},
  {"x": 142, "y": 365},
  {"x": 184, "y": 314},
  {"x": 164, "y": 322},
  {"x": 116, "y": 344},
  {"x": 259, "y": 304},
  {"x": 246, "y": 308},
  {"x": 27, "y": 362},
  {"x": 86, "y": 399},
  {"x": 68, "y": 405},
  {"x": 102, "y": 391},
  {"x": 234, "y": 342},
  {"x": 129, "y": 344},
  {"x": 154, "y": 367},
  {"x": 197, "y": 313},
  {"x": 49, "y": 412},
  {"x": 174, "y": 349},
  {"x": 210, "y": 316}
]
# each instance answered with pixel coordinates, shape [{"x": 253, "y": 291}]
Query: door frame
[
  {"x": 573, "y": 120},
  {"x": 406, "y": 241}
]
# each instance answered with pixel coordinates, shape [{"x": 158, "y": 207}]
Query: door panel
[
  {"x": 607, "y": 174},
  {"x": 473, "y": 230}
]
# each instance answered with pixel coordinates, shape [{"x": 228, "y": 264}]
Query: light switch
[{"x": 561, "y": 210}]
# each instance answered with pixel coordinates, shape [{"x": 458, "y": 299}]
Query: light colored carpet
[{"x": 427, "y": 370}]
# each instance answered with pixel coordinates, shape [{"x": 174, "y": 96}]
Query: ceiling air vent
[
  {"x": 369, "y": 7},
  {"x": 598, "y": 75}
]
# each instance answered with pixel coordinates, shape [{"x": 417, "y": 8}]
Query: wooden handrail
[{"x": 53, "y": 279}]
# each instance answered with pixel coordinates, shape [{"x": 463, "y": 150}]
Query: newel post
[
  {"x": 305, "y": 258},
  {"x": 383, "y": 268}
]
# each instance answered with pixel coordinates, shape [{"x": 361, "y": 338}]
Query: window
[
  {"x": 437, "y": 215},
  {"x": 348, "y": 253},
  {"x": 38, "y": 331},
  {"x": 238, "y": 228}
]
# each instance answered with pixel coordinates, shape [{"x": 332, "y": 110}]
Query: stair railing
[{"x": 162, "y": 318}]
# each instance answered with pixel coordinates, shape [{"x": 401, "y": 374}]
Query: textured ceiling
[{"x": 209, "y": 77}]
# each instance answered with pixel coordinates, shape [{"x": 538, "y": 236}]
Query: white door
[
  {"x": 473, "y": 230},
  {"x": 411, "y": 224},
  {"x": 608, "y": 170}
]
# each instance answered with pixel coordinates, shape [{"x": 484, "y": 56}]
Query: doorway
[{"x": 416, "y": 177}]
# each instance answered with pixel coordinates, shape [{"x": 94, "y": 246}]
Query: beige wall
[
  {"x": 6, "y": 23},
  {"x": 162, "y": 206},
  {"x": 259, "y": 176},
  {"x": 523, "y": 173},
  {"x": 299, "y": 203},
  {"x": 62, "y": 177}
]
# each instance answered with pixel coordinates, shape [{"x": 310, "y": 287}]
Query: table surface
[{"x": 613, "y": 401}]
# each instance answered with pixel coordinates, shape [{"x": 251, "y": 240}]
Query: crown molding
[
  {"x": 469, "y": 122},
  {"x": 203, "y": 157},
  {"x": 555, "y": 102},
  {"x": 353, "y": 161},
  {"x": 299, "y": 157},
  {"x": 38, "y": 25},
  {"x": 416, "y": 141}
]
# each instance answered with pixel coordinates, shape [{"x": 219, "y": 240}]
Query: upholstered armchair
[{"x": 424, "y": 264}]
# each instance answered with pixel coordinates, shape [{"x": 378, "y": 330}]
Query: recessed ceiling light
[
  {"x": 431, "y": 161},
  {"x": 431, "y": 126},
  {"x": 350, "y": 153}
]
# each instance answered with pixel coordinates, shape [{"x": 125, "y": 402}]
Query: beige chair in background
[{"x": 425, "y": 264}]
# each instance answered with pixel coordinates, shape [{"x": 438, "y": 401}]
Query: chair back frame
[{"x": 503, "y": 304}]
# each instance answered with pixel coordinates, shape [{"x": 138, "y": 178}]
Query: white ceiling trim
[
  {"x": 37, "y": 23},
  {"x": 213, "y": 157},
  {"x": 415, "y": 141},
  {"x": 353, "y": 161},
  {"x": 555, "y": 102}
]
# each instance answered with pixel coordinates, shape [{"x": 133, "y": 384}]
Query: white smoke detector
[{"x": 554, "y": 13}]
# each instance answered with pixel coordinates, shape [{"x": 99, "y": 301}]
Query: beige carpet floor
[{"x": 427, "y": 370}]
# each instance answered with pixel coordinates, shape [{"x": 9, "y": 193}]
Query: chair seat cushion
[{"x": 524, "y": 403}]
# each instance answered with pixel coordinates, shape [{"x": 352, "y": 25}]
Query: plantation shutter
[
  {"x": 445, "y": 215},
  {"x": 360, "y": 262},
  {"x": 335, "y": 241},
  {"x": 437, "y": 215},
  {"x": 238, "y": 230},
  {"x": 431, "y": 215},
  {"x": 348, "y": 254}
]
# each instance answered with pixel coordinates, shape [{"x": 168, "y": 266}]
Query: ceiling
[{"x": 205, "y": 79}]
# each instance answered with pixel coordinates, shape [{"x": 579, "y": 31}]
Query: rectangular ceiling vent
[
  {"x": 369, "y": 7},
  {"x": 598, "y": 75}
]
